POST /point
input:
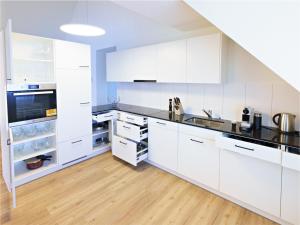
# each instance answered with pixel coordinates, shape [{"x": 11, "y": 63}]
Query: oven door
[{"x": 31, "y": 106}]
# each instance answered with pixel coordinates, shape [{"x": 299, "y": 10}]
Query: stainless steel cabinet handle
[
  {"x": 126, "y": 127},
  {"x": 76, "y": 142},
  {"x": 84, "y": 103},
  {"x": 161, "y": 123},
  {"x": 84, "y": 66},
  {"x": 201, "y": 142},
  {"x": 123, "y": 143},
  {"x": 249, "y": 149},
  {"x": 108, "y": 116},
  {"x": 129, "y": 118}
]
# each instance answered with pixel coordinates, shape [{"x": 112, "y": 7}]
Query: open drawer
[
  {"x": 131, "y": 131},
  {"x": 134, "y": 119},
  {"x": 129, "y": 151}
]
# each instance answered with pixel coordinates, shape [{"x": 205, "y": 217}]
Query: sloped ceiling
[{"x": 269, "y": 30}]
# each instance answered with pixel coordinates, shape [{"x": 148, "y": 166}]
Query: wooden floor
[{"x": 105, "y": 190}]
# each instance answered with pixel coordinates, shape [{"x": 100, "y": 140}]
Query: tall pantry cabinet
[{"x": 73, "y": 76}]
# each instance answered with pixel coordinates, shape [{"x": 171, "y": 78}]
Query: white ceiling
[{"x": 128, "y": 23}]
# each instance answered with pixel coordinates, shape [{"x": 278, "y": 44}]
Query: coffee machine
[{"x": 247, "y": 118}]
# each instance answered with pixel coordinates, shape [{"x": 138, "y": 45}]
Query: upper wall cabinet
[
  {"x": 132, "y": 65},
  {"x": 195, "y": 60},
  {"x": 204, "y": 59},
  {"x": 70, "y": 55},
  {"x": 172, "y": 62},
  {"x": 31, "y": 59}
]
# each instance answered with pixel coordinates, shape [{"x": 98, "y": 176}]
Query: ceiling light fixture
[{"x": 82, "y": 29}]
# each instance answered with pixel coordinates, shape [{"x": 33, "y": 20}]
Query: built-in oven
[{"x": 31, "y": 103}]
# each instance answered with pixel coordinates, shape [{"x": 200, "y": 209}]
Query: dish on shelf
[{"x": 37, "y": 162}]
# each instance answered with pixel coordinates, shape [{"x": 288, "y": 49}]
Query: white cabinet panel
[
  {"x": 118, "y": 66},
  {"x": 204, "y": 59},
  {"x": 253, "y": 181},
  {"x": 144, "y": 63},
  {"x": 290, "y": 202},
  {"x": 74, "y": 149},
  {"x": 198, "y": 159},
  {"x": 73, "y": 103},
  {"x": 71, "y": 55},
  {"x": 172, "y": 62},
  {"x": 163, "y": 143}
]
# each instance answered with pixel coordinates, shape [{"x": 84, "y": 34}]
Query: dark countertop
[{"x": 267, "y": 134}]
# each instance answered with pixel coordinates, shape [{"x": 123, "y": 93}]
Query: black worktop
[{"x": 267, "y": 134}]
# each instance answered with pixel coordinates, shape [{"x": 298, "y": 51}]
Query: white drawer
[
  {"x": 199, "y": 132},
  {"x": 128, "y": 150},
  {"x": 131, "y": 118},
  {"x": 74, "y": 149},
  {"x": 104, "y": 117},
  {"x": 131, "y": 131},
  {"x": 291, "y": 161},
  {"x": 249, "y": 149},
  {"x": 163, "y": 123}
]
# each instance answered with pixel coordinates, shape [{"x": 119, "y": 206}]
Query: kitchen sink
[{"x": 205, "y": 122}]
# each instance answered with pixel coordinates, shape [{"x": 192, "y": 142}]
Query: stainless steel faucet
[{"x": 208, "y": 113}]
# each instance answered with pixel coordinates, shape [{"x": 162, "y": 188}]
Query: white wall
[
  {"x": 269, "y": 30},
  {"x": 248, "y": 83}
]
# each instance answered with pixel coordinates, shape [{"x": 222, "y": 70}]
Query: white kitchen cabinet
[
  {"x": 132, "y": 65},
  {"x": 118, "y": 66},
  {"x": 199, "y": 59},
  {"x": 163, "y": 143},
  {"x": 290, "y": 199},
  {"x": 73, "y": 103},
  {"x": 144, "y": 65},
  {"x": 172, "y": 62},
  {"x": 204, "y": 58},
  {"x": 74, "y": 149},
  {"x": 248, "y": 178},
  {"x": 198, "y": 159},
  {"x": 71, "y": 55}
]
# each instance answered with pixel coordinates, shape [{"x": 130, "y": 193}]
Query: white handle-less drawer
[
  {"x": 134, "y": 119},
  {"x": 249, "y": 149},
  {"x": 129, "y": 151},
  {"x": 131, "y": 131}
]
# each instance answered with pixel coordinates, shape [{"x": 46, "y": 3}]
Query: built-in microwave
[{"x": 29, "y": 103}]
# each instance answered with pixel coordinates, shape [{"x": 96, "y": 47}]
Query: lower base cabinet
[
  {"x": 250, "y": 180},
  {"x": 290, "y": 202},
  {"x": 74, "y": 149},
  {"x": 198, "y": 159},
  {"x": 163, "y": 139}
]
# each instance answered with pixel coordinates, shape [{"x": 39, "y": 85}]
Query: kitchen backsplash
[{"x": 248, "y": 83}]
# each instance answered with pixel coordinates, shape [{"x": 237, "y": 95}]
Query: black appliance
[{"x": 30, "y": 103}]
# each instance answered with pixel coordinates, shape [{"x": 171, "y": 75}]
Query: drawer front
[
  {"x": 131, "y": 118},
  {"x": 104, "y": 117},
  {"x": 253, "y": 150},
  {"x": 163, "y": 124},
  {"x": 130, "y": 131},
  {"x": 125, "y": 149},
  {"x": 74, "y": 149},
  {"x": 291, "y": 161},
  {"x": 199, "y": 132}
]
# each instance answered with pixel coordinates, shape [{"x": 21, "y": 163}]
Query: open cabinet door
[{"x": 4, "y": 129}]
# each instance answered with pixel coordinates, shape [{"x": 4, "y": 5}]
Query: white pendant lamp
[{"x": 82, "y": 29}]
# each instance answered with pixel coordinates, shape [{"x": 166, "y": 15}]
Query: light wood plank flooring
[{"x": 105, "y": 190}]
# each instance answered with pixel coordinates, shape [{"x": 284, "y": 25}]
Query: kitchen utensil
[
  {"x": 34, "y": 163},
  {"x": 285, "y": 122},
  {"x": 257, "y": 120},
  {"x": 170, "y": 105},
  {"x": 178, "y": 106}
]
